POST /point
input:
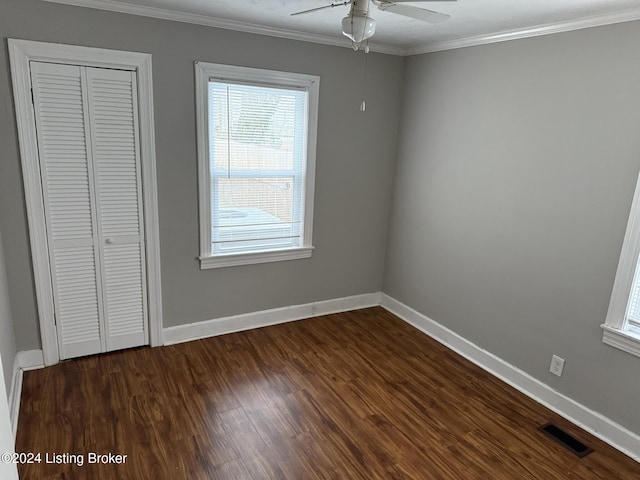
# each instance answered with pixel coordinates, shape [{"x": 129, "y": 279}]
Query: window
[
  {"x": 256, "y": 155},
  {"x": 622, "y": 326}
]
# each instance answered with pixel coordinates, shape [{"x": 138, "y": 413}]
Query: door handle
[{"x": 108, "y": 241}]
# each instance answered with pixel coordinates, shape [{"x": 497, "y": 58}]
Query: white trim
[
  {"x": 595, "y": 423},
  {"x": 24, "y": 361},
  {"x": 33, "y": 197},
  {"x": 150, "y": 200},
  {"x": 218, "y": 261},
  {"x": 533, "y": 31},
  {"x": 622, "y": 339},
  {"x": 209, "y": 21},
  {"x": 14, "y": 398},
  {"x": 264, "y": 318},
  {"x": 29, "y": 360},
  {"x": 21, "y": 52},
  {"x": 204, "y": 72},
  {"x": 614, "y": 333},
  {"x": 202, "y": 137}
]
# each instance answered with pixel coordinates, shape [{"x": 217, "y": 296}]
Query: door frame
[{"x": 21, "y": 52}]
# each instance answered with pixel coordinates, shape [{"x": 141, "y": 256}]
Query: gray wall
[
  {"x": 516, "y": 168},
  {"x": 355, "y": 158},
  {"x": 7, "y": 338}
]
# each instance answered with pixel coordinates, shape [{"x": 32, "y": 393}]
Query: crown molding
[
  {"x": 577, "y": 24},
  {"x": 535, "y": 31},
  {"x": 165, "y": 14}
]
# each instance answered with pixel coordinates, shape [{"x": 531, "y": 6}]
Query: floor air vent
[{"x": 562, "y": 437}]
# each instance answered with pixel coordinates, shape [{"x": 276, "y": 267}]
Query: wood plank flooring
[{"x": 358, "y": 395}]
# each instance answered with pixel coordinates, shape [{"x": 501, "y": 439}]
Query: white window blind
[
  {"x": 257, "y": 158},
  {"x": 633, "y": 309}
]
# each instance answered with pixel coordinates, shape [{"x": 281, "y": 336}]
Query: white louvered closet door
[
  {"x": 116, "y": 165},
  {"x": 86, "y": 122}
]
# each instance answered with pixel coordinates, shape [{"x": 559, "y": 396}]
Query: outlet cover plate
[{"x": 557, "y": 365}]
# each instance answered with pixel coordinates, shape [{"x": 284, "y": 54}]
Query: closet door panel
[
  {"x": 116, "y": 159},
  {"x": 60, "y": 114},
  {"x": 124, "y": 296},
  {"x": 77, "y": 301}
]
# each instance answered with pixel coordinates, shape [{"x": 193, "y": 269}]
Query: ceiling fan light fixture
[{"x": 358, "y": 27}]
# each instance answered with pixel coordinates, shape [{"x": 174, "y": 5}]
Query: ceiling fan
[{"x": 359, "y": 26}]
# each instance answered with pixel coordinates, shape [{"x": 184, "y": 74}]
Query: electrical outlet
[{"x": 557, "y": 365}]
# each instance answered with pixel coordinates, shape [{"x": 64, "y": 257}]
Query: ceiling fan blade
[
  {"x": 322, "y": 8},
  {"x": 414, "y": 12}
]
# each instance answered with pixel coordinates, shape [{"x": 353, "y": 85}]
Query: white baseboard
[
  {"x": 595, "y": 423},
  {"x": 24, "y": 360},
  {"x": 263, "y": 318}
]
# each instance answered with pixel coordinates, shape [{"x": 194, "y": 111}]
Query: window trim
[
  {"x": 204, "y": 72},
  {"x": 615, "y": 331}
]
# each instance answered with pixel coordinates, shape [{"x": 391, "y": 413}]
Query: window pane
[
  {"x": 257, "y": 154},
  {"x": 254, "y": 214}
]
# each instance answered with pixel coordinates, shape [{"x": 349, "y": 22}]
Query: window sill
[
  {"x": 623, "y": 339},
  {"x": 220, "y": 261}
]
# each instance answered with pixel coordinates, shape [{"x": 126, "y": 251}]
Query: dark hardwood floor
[{"x": 359, "y": 395}]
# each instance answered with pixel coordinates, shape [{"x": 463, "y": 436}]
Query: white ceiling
[{"x": 472, "y": 22}]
